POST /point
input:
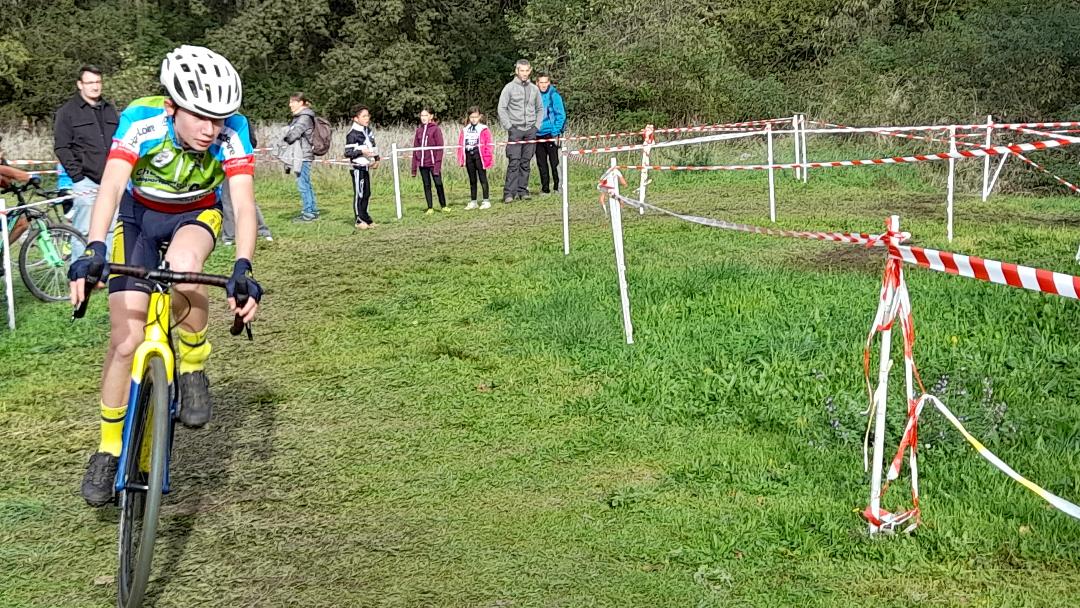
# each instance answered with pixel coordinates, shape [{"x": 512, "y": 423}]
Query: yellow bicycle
[{"x": 142, "y": 476}]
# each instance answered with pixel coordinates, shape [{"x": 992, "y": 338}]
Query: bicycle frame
[{"x": 155, "y": 343}]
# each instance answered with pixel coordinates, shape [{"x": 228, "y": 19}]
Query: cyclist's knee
[
  {"x": 185, "y": 261},
  {"x": 123, "y": 345}
]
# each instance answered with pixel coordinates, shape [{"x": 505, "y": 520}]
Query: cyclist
[{"x": 169, "y": 156}]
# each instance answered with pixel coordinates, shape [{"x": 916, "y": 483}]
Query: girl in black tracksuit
[{"x": 361, "y": 150}]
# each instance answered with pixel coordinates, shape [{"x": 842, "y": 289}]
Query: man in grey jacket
[
  {"x": 521, "y": 113},
  {"x": 301, "y": 129}
]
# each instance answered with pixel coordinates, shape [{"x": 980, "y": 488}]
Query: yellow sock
[
  {"x": 194, "y": 350},
  {"x": 112, "y": 428}
]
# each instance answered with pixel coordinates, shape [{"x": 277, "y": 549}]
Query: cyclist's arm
[
  {"x": 12, "y": 173},
  {"x": 113, "y": 182}
]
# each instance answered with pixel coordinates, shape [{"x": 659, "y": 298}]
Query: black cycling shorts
[{"x": 142, "y": 236}]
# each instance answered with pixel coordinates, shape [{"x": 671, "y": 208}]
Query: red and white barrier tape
[
  {"x": 48, "y": 201},
  {"x": 1022, "y": 157},
  {"x": 22, "y": 161},
  {"x": 977, "y": 153},
  {"x": 895, "y": 303},
  {"x": 991, "y": 271}
]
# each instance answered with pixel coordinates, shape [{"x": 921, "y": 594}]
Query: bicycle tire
[
  {"x": 139, "y": 509},
  {"x": 49, "y": 283}
]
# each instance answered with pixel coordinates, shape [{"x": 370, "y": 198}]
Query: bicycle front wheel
[
  {"x": 144, "y": 475},
  {"x": 44, "y": 260}
]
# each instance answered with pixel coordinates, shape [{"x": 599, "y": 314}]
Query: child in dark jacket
[
  {"x": 429, "y": 161},
  {"x": 361, "y": 151}
]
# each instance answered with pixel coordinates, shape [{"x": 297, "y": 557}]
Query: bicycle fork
[{"x": 155, "y": 344}]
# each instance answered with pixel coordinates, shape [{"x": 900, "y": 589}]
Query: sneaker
[
  {"x": 508, "y": 199},
  {"x": 445, "y": 209},
  {"x": 194, "y": 399},
  {"x": 471, "y": 206},
  {"x": 227, "y": 242},
  {"x": 269, "y": 238},
  {"x": 100, "y": 479},
  {"x": 305, "y": 217},
  {"x": 486, "y": 204},
  {"x": 525, "y": 196},
  {"x": 429, "y": 211},
  {"x": 545, "y": 193},
  {"x": 361, "y": 226}
]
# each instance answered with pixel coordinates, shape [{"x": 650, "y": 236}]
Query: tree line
[{"x": 624, "y": 62}]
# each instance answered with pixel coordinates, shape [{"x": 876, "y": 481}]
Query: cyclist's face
[
  {"x": 90, "y": 86},
  {"x": 194, "y": 131}
]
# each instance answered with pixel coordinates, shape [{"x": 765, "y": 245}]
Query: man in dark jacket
[{"x": 82, "y": 136}]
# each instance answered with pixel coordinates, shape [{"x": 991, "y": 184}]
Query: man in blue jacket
[{"x": 547, "y": 153}]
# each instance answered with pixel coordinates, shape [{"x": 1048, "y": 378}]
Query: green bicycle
[{"x": 46, "y": 251}]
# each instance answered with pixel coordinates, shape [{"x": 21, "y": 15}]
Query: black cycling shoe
[
  {"x": 99, "y": 480},
  {"x": 194, "y": 399}
]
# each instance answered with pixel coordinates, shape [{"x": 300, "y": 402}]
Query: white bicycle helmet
[{"x": 201, "y": 81}]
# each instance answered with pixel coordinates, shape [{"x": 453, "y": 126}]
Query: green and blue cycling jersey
[{"x": 164, "y": 176}]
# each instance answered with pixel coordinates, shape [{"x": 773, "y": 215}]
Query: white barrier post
[
  {"x": 880, "y": 396},
  {"x": 565, "y": 168},
  {"x": 802, "y": 139},
  {"x": 647, "y": 139},
  {"x": 997, "y": 172},
  {"x": 772, "y": 174},
  {"x": 397, "y": 179},
  {"x": 8, "y": 290},
  {"x": 795, "y": 136},
  {"x": 986, "y": 159},
  {"x": 620, "y": 257},
  {"x": 952, "y": 184}
]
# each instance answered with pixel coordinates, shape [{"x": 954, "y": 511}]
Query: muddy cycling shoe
[
  {"x": 100, "y": 477},
  {"x": 194, "y": 400}
]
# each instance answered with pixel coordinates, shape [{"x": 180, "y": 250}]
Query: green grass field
[{"x": 442, "y": 412}]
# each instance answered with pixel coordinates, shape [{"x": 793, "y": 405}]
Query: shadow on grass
[{"x": 202, "y": 477}]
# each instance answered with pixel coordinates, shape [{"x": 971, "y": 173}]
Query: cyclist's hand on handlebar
[
  {"x": 242, "y": 275},
  {"x": 91, "y": 267}
]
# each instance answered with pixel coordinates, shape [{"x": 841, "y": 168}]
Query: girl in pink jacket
[
  {"x": 429, "y": 162},
  {"x": 476, "y": 152}
]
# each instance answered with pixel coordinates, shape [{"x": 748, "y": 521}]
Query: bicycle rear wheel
[
  {"x": 43, "y": 262},
  {"x": 140, "y": 500}
]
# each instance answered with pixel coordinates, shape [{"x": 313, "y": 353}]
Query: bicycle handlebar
[{"x": 170, "y": 278}]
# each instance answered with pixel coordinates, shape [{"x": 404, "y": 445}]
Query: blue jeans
[
  {"x": 307, "y": 194},
  {"x": 85, "y": 191}
]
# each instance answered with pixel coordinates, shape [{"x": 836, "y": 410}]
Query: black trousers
[
  {"x": 547, "y": 155},
  {"x": 361, "y": 184},
  {"x": 428, "y": 176},
  {"x": 474, "y": 166},
  {"x": 518, "y": 161}
]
